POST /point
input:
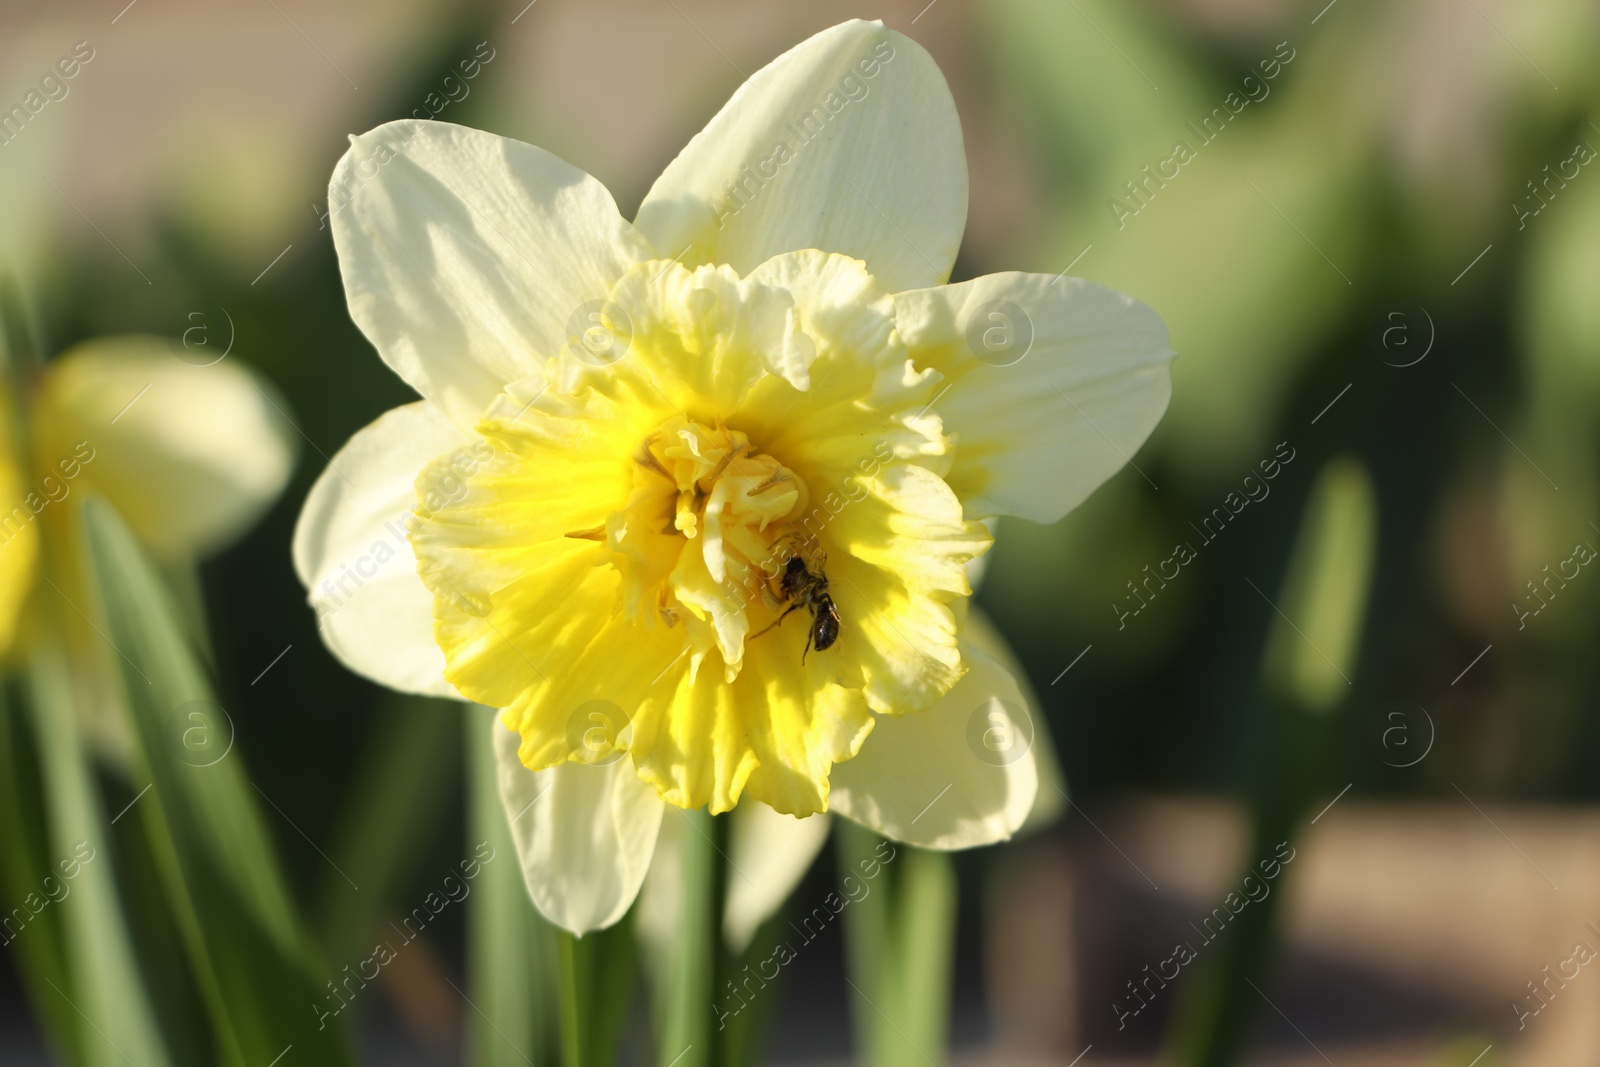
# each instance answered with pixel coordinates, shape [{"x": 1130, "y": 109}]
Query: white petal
[
  {"x": 960, "y": 774},
  {"x": 1053, "y": 385},
  {"x": 768, "y": 854},
  {"x": 352, "y": 554},
  {"x": 191, "y": 456},
  {"x": 584, "y": 834},
  {"x": 849, "y": 142},
  {"x": 466, "y": 256},
  {"x": 658, "y": 917},
  {"x": 1051, "y": 798}
]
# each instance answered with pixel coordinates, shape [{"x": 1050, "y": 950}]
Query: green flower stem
[
  {"x": 511, "y": 953},
  {"x": 689, "y": 1037},
  {"x": 867, "y": 933},
  {"x": 742, "y": 1032},
  {"x": 1213, "y": 1022},
  {"x": 572, "y": 1004},
  {"x": 900, "y": 939},
  {"x": 1306, "y": 676},
  {"x": 597, "y": 972},
  {"x": 926, "y": 953}
]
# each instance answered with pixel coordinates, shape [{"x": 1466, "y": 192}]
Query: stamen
[
  {"x": 596, "y": 534},
  {"x": 778, "y": 477},
  {"x": 722, "y": 465},
  {"x": 647, "y": 459},
  {"x": 687, "y": 519},
  {"x": 694, "y": 458}
]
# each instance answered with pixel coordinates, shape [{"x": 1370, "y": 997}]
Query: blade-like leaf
[
  {"x": 37, "y": 941},
  {"x": 106, "y": 991},
  {"x": 241, "y": 929}
]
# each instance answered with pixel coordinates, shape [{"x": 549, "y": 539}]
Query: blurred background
[{"x": 1373, "y": 232}]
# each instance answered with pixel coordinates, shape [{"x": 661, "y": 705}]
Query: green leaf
[
  {"x": 105, "y": 989},
  {"x": 38, "y": 945},
  {"x": 511, "y": 949},
  {"x": 1307, "y": 673},
  {"x": 1312, "y": 651},
  {"x": 243, "y": 935}
]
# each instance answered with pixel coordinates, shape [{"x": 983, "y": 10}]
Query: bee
[{"x": 806, "y": 586}]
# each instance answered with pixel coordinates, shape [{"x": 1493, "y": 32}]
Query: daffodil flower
[
  {"x": 189, "y": 455},
  {"x": 693, "y": 499}
]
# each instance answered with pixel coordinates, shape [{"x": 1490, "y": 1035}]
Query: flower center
[{"x": 702, "y": 533}]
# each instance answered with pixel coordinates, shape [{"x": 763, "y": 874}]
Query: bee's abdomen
[{"x": 826, "y": 630}]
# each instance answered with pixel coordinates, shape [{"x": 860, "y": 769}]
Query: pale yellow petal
[
  {"x": 1050, "y": 800},
  {"x": 469, "y": 259},
  {"x": 768, "y": 854},
  {"x": 1053, "y": 385},
  {"x": 584, "y": 835},
  {"x": 705, "y": 336},
  {"x": 958, "y": 775},
  {"x": 658, "y": 916},
  {"x": 353, "y": 555},
  {"x": 849, "y": 142}
]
